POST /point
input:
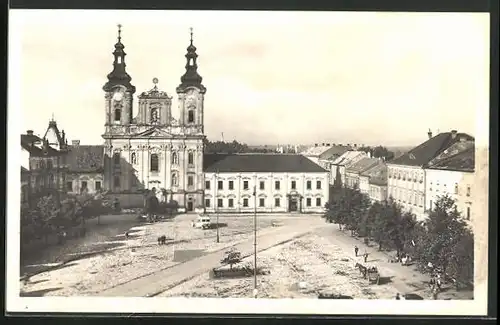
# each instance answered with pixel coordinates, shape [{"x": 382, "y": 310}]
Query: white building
[
  {"x": 339, "y": 165},
  {"x": 406, "y": 174},
  {"x": 282, "y": 183},
  {"x": 452, "y": 174}
]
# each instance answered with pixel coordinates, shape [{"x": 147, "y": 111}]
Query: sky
[{"x": 271, "y": 77}]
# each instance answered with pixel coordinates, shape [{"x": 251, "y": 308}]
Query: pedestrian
[
  {"x": 365, "y": 256},
  {"x": 397, "y": 296},
  {"x": 356, "y": 250}
]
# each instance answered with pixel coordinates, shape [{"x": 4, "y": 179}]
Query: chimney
[
  {"x": 453, "y": 134},
  {"x": 315, "y": 144},
  {"x": 75, "y": 143},
  {"x": 29, "y": 132},
  {"x": 355, "y": 145},
  {"x": 429, "y": 134},
  {"x": 323, "y": 144}
]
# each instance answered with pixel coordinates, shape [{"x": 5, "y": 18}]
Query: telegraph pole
[
  {"x": 217, "y": 203},
  {"x": 255, "y": 241}
]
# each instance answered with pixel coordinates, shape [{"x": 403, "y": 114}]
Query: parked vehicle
[{"x": 202, "y": 222}]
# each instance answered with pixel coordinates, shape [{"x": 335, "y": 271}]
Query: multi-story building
[
  {"x": 452, "y": 173},
  {"x": 281, "y": 183},
  {"x": 406, "y": 174},
  {"x": 373, "y": 182},
  {"x": 353, "y": 172},
  {"x": 339, "y": 165},
  {"x": 85, "y": 168}
]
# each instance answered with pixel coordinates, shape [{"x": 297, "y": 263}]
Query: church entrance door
[
  {"x": 292, "y": 205},
  {"x": 190, "y": 206}
]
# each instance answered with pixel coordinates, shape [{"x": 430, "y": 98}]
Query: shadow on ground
[
  {"x": 213, "y": 225},
  {"x": 385, "y": 279},
  {"x": 35, "y": 269},
  {"x": 38, "y": 293},
  {"x": 187, "y": 254}
]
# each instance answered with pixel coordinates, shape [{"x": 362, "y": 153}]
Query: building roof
[
  {"x": 377, "y": 174},
  {"x": 456, "y": 159},
  {"x": 333, "y": 152},
  {"x": 424, "y": 153},
  {"x": 349, "y": 157},
  {"x": 362, "y": 165},
  {"x": 35, "y": 146},
  {"x": 24, "y": 170},
  {"x": 271, "y": 163},
  {"x": 315, "y": 151},
  {"x": 85, "y": 158}
]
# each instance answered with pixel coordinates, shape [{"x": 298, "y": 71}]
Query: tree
[
  {"x": 448, "y": 243},
  {"x": 337, "y": 183},
  {"x": 231, "y": 257}
]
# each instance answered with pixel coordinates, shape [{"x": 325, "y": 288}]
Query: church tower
[
  {"x": 191, "y": 92},
  {"x": 118, "y": 95}
]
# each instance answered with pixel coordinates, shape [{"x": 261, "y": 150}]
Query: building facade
[
  {"x": 151, "y": 149},
  {"x": 339, "y": 165},
  {"x": 452, "y": 174},
  {"x": 406, "y": 174},
  {"x": 264, "y": 183}
]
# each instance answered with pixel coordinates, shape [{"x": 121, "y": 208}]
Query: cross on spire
[
  {"x": 191, "y": 32},
  {"x": 119, "y": 32}
]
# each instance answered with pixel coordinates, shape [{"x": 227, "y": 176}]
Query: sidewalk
[
  {"x": 404, "y": 278},
  {"x": 166, "y": 279}
]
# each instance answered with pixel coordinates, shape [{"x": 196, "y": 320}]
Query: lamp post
[
  {"x": 255, "y": 241},
  {"x": 217, "y": 203}
]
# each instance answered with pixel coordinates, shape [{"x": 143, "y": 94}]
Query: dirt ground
[{"x": 106, "y": 258}]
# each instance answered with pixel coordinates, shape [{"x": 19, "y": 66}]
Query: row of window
[
  {"x": 406, "y": 175},
  {"x": 262, "y": 202},
  {"x": 174, "y": 180},
  {"x": 83, "y": 186},
  {"x": 262, "y": 185},
  {"x": 154, "y": 118},
  {"x": 456, "y": 188},
  {"x": 41, "y": 164},
  {"x": 408, "y": 197},
  {"x": 154, "y": 160}
]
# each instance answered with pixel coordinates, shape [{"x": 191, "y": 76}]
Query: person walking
[
  {"x": 356, "y": 250},
  {"x": 365, "y": 256},
  {"x": 397, "y": 296}
]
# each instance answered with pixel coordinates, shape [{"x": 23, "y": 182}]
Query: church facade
[{"x": 147, "y": 147}]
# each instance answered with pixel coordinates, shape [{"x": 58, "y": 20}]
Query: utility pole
[
  {"x": 217, "y": 203},
  {"x": 255, "y": 241}
]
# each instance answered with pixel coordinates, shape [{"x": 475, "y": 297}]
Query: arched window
[
  {"x": 49, "y": 164},
  {"x": 154, "y": 164},
  {"x": 133, "y": 158},
  {"x": 175, "y": 159},
  {"x": 118, "y": 114},
  {"x": 174, "y": 179},
  {"x": 116, "y": 158},
  {"x": 191, "y": 116},
  {"x": 190, "y": 158}
]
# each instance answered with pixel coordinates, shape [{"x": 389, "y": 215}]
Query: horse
[
  {"x": 162, "y": 240},
  {"x": 362, "y": 269}
]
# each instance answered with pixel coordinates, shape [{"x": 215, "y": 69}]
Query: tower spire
[
  {"x": 119, "y": 75},
  {"x": 191, "y": 78}
]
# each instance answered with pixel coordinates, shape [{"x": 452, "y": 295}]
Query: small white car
[{"x": 202, "y": 222}]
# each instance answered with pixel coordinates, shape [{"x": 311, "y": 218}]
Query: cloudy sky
[{"x": 271, "y": 77}]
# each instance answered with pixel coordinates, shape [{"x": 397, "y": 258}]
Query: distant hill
[{"x": 399, "y": 151}]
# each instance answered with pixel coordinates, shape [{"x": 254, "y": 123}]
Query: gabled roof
[
  {"x": 270, "y": 163},
  {"x": 377, "y": 174},
  {"x": 461, "y": 160},
  {"x": 362, "y": 165},
  {"x": 349, "y": 157},
  {"x": 424, "y": 153},
  {"x": 84, "y": 158},
  {"x": 153, "y": 132},
  {"x": 334, "y": 152}
]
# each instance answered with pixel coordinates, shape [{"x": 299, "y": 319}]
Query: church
[{"x": 145, "y": 147}]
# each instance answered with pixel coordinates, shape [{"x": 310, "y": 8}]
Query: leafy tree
[
  {"x": 448, "y": 243},
  {"x": 337, "y": 184}
]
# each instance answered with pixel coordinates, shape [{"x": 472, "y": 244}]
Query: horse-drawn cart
[{"x": 373, "y": 275}]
